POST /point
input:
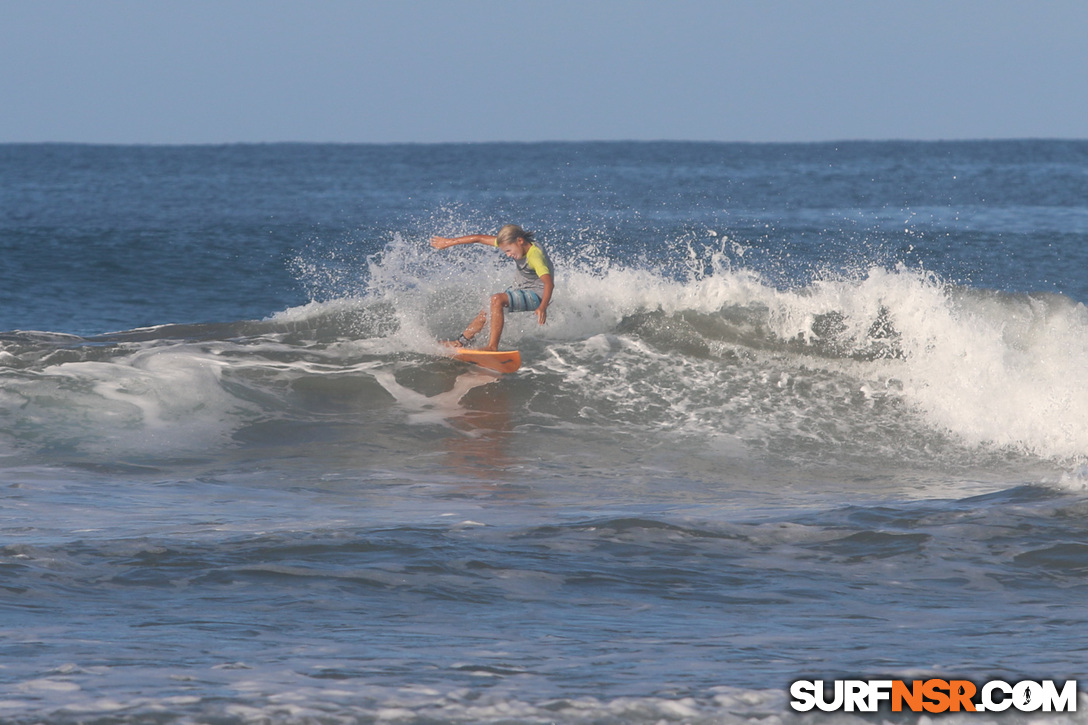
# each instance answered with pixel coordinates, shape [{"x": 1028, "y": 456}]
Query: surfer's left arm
[{"x": 545, "y": 299}]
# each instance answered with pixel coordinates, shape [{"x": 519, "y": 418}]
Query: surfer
[{"x": 533, "y": 285}]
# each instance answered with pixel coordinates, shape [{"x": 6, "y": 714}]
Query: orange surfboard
[{"x": 502, "y": 361}]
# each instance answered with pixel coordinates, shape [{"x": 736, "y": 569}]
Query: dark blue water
[
  {"x": 808, "y": 410},
  {"x": 102, "y": 238}
]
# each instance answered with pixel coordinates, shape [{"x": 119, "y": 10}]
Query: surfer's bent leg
[
  {"x": 517, "y": 300},
  {"x": 499, "y": 301}
]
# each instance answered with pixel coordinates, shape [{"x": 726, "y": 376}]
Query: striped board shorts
[{"x": 523, "y": 300}]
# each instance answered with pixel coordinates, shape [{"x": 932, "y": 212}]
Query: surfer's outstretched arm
[{"x": 443, "y": 242}]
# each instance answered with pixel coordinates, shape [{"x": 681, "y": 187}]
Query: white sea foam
[
  {"x": 991, "y": 369},
  {"x": 290, "y": 699},
  {"x": 708, "y": 346},
  {"x": 161, "y": 397},
  {"x": 1000, "y": 370}
]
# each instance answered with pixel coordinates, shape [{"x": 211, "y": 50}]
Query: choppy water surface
[{"x": 798, "y": 412}]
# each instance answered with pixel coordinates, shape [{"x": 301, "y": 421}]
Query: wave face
[
  {"x": 895, "y": 366},
  {"x": 798, "y": 412}
]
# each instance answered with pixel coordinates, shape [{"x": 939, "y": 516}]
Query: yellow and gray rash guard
[{"x": 531, "y": 268}]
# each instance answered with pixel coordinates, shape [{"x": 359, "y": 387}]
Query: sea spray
[
  {"x": 802, "y": 411},
  {"x": 995, "y": 370}
]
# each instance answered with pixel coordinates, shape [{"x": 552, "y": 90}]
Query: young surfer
[{"x": 533, "y": 285}]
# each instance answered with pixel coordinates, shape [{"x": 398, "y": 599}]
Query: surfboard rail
[{"x": 501, "y": 361}]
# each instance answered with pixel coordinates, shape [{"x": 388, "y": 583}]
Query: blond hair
[{"x": 510, "y": 233}]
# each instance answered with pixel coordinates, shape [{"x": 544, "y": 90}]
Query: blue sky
[{"x": 202, "y": 71}]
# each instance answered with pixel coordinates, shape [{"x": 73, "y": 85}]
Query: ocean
[{"x": 799, "y": 412}]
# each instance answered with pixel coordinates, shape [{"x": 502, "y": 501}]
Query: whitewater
[{"x": 807, "y": 411}]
